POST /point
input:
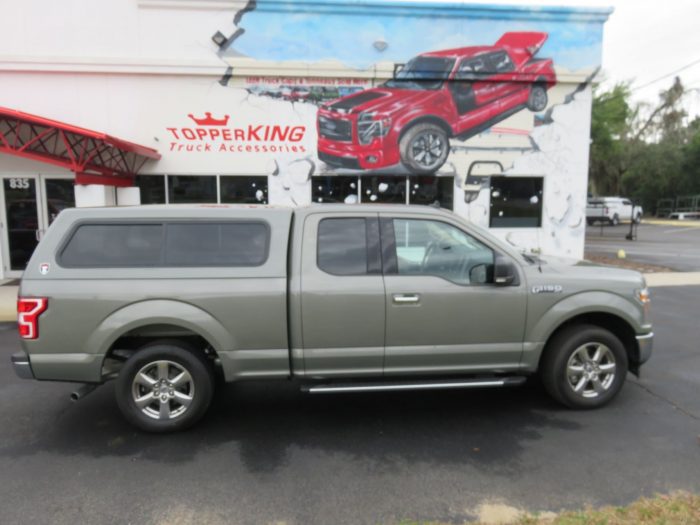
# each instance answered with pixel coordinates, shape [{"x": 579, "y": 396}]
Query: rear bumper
[
  {"x": 23, "y": 369},
  {"x": 646, "y": 344}
]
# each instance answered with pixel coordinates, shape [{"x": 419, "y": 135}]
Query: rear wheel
[
  {"x": 424, "y": 148},
  {"x": 615, "y": 220},
  {"x": 537, "y": 101},
  {"x": 164, "y": 387},
  {"x": 584, "y": 366}
]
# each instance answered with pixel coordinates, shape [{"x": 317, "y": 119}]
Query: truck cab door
[
  {"x": 444, "y": 313},
  {"x": 342, "y": 295}
]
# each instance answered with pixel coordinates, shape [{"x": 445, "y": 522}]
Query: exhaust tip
[{"x": 82, "y": 391}]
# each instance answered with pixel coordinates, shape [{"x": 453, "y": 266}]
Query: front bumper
[
  {"x": 23, "y": 369},
  {"x": 646, "y": 344}
]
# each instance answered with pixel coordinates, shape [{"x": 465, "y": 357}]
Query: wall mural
[{"x": 333, "y": 89}]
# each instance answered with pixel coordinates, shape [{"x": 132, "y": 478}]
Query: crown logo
[{"x": 208, "y": 120}]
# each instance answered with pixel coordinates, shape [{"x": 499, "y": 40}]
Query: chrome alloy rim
[
  {"x": 427, "y": 149},
  {"x": 590, "y": 371},
  {"x": 163, "y": 390}
]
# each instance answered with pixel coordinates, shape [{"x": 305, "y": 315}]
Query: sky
[{"x": 281, "y": 34}]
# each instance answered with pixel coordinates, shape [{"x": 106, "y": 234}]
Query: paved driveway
[
  {"x": 676, "y": 247},
  {"x": 266, "y": 453}
]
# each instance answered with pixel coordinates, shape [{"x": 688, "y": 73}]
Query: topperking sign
[{"x": 210, "y": 134}]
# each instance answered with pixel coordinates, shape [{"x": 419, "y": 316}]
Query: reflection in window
[
  {"x": 334, "y": 189},
  {"x": 152, "y": 188},
  {"x": 516, "y": 202},
  {"x": 60, "y": 194},
  {"x": 244, "y": 190},
  {"x": 191, "y": 189},
  {"x": 425, "y": 247},
  {"x": 384, "y": 189},
  {"x": 430, "y": 190}
]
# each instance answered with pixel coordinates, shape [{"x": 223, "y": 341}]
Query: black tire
[
  {"x": 559, "y": 355},
  {"x": 424, "y": 148},
  {"x": 589, "y": 222},
  {"x": 179, "y": 356},
  {"x": 615, "y": 220},
  {"x": 538, "y": 98}
]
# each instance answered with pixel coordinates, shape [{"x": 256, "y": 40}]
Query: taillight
[{"x": 28, "y": 311}]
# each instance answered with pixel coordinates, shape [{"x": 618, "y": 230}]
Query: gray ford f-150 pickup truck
[{"x": 339, "y": 298}]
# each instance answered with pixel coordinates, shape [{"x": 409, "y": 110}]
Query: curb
[
  {"x": 672, "y": 279},
  {"x": 668, "y": 222}
]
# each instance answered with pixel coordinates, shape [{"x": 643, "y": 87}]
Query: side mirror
[{"x": 504, "y": 272}]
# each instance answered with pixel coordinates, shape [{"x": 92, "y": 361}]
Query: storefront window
[
  {"x": 430, "y": 190},
  {"x": 516, "y": 202},
  {"x": 244, "y": 190},
  {"x": 387, "y": 189},
  {"x": 60, "y": 194},
  {"x": 183, "y": 189},
  {"x": 334, "y": 189},
  {"x": 152, "y": 188}
]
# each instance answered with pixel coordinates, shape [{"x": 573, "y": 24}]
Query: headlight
[{"x": 371, "y": 125}]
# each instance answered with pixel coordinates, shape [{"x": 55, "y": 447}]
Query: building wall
[{"x": 148, "y": 71}]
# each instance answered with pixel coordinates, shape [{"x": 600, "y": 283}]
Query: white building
[{"x": 218, "y": 101}]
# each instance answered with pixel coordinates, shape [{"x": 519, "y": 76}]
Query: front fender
[
  {"x": 571, "y": 307},
  {"x": 584, "y": 303},
  {"x": 159, "y": 311}
]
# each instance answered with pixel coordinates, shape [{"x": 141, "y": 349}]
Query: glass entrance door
[
  {"x": 21, "y": 201},
  {"x": 31, "y": 203}
]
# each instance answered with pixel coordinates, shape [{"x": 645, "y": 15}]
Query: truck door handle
[{"x": 406, "y": 298}]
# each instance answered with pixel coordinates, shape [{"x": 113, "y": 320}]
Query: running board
[{"x": 337, "y": 388}]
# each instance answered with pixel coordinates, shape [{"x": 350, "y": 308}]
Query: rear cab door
[{"x": 337, "y": 295}]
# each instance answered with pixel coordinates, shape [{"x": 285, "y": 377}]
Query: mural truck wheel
[
  {"x": 424, "y": 148},
  {"x": 537, "y": 101}
]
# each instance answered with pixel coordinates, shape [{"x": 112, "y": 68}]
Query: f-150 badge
[{"x": 547, "y": 288}]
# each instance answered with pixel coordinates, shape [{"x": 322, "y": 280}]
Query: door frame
[{"x": 42, "y": 215}]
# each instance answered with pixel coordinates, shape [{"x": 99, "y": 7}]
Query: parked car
[
  {"x": 300, "y": 94},
  {"x": 436, "y": 96},
  {"x": 612, "y": 210},
  {"x": 338, "y": 298}
]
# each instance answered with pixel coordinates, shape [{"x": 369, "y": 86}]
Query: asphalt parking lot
[
  {"x": 268, "y": 454},
  {"x": 670, "y": 245}
]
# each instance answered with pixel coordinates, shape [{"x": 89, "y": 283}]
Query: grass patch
[{"x": 679, "y": 508}]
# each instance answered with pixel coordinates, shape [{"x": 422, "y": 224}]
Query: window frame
[
  {"x": 390, "y": 255},
  {"x": 373, "y": 242},
  {"x": 70, "y": 234}
]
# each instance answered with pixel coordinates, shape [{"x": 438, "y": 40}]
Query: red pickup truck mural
[{"x": 435, "y": 96}]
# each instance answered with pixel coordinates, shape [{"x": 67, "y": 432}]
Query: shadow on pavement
[{"x": 263, "y": 421}]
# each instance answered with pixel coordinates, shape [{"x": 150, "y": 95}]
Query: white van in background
[{"x": 612, "y": 210}]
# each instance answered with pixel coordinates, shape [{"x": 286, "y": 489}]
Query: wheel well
[
  {"x": 131, "y": 341},
  {"x": 427, "y": 120},
  {"x": 618, "y": 326}
]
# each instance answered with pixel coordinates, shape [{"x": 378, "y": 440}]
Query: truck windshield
[{"x": 423, "y": 73}]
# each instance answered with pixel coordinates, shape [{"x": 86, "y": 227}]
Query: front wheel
[
  {"x": 584, "y": 366},
  {"x": 424, "y": 148},
  {"x": 164, "y": 387}
]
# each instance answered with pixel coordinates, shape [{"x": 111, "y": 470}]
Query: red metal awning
[{"x": 96, "y": 158}]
